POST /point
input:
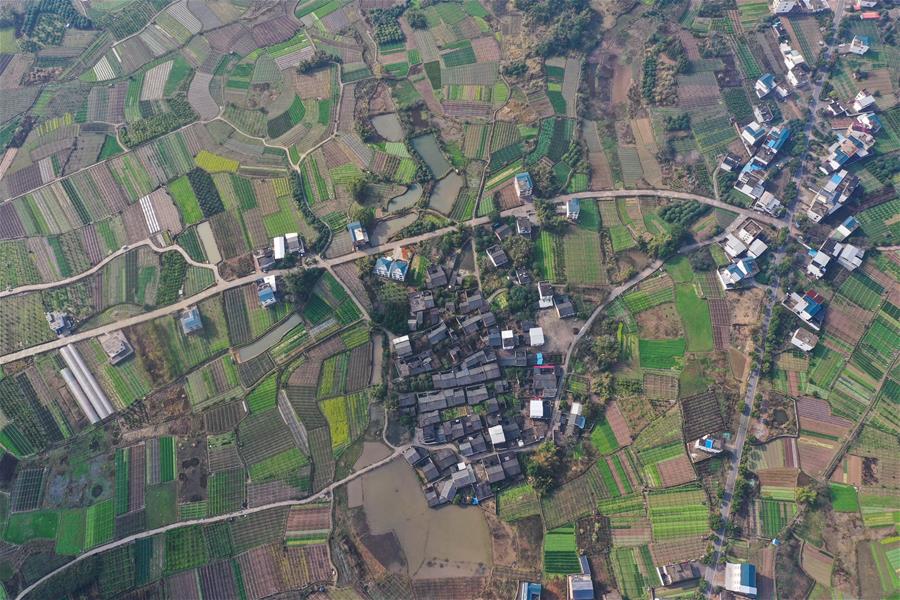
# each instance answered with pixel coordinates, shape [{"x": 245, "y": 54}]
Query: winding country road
[{"x": 222, "y": 285}]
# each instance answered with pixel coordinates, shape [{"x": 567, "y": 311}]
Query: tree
[
  {"x": 301, "y": 283},
  {"x": 416, "y": 19},
  {"x": 364, "y": 214},
  {"x": 521, "y": 300},
  {"x": 606, "y": 351},
  {"x": 543, "y": 466},
  {"x": 519, "y": 250},
  {"x": 806, "y": 496}
]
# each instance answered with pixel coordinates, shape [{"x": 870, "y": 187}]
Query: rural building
[
  {"x": 498, "y": 438},
  {"x": 579, "y": 587},
  {"x": 294, "y": 244},
  {"x": 278, "y": 247},
  {"x": 737, "y": 273},
  {"x": 545, "y": 294},
  {"x": 833, "y": 195},
  {"x": 564, "y": 308},
  {"x": 60, "y": 323},
  {"x": 536, "y": 336},
  {"x": 753, "y": 133},
  {"x": 740, "y": 578},
  {"x": 792, "y": 58},
  {"x": 420, "y": 301},
  {"x": 863, "y": 101},
  {"x": 191, "y": 321},
  {"x": 264, "y": 260},
  {"x": 524, "y": 186},
  {"x": 435, "y": 276},
  {"x": 804, "y": 339},
  {"x": 529, "y": 591},
  {"x": 573, "y": 209},
  {"x": 847, "y": 255},
  {"x": 757, "y": 248},
  {"x": 845, "y": 229},
  {"x": 536, "y": 408},
  {"x": 358, "y": 235},
  {"x": 767, "y": 203},
  {"x": 678, "y": 572},
  {"x": 265, "y": 292},
  {"x": 775, "y": 140},
  {"x": 116, "y": 347},
  {"x": 859, "y": 46},
  {"x": 732, "y": 246},
  {"x": 402, "y": 346},
  {"x": 388, "y": 268},
  {"x": 810, "y": 307},
  {"x": 843, "y": 152},
  {"x": 523, "y": 226},
  {"x": 497, "y": 256},
  {"x": 730, "y": 162},
  {"x": 543, "y": 382},
  {"x": 502, "y": 231},
  {"x": 508, "y": 339},
  {"x": 763, "y": 113},
  {"x": 871, "y": 15},
  {"x": 764, "y": 85},
  {"x": 711, "y": 444}
]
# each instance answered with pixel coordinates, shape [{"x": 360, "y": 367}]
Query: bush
[
  {"x": 179, "y": 114},
  {"x": 205, "y": 191},
  {"x": 684, "y": 212}
]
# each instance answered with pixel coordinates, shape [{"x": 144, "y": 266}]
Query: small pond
[
  {"x": 270, "y": 339},
  {"x": 428, "y": 148},
  {"x": 406, "y": 199},
  {"x": 445, "y": 191},
  {"x": 388, "y": 126}
]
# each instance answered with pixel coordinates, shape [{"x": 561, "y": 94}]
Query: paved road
[{"x": 222, "y": 285}]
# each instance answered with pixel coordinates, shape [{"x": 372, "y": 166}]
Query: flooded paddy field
[{"x": 451, "y": 541}]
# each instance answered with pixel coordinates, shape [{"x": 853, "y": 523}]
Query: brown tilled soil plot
[
  {"x": 660, "y": 322},
  {"x": 676, "y": 471},
  {"x": 617, "y": 422}
]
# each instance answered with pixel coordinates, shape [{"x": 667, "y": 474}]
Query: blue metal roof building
[{"x": 191, "y": 321}]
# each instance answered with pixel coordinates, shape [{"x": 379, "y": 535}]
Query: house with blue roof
[
  {"x": 740, "y": 578},
  {"x": 764, "y": 85},
  {"x": 389, "y": 268},
  {"x": 844, "y": 151},
  {"x": 191, "y": 321},
  {"x": 383, "y": 267},
  {"x": 399, "y": 268},
  {"x": 265, "y": 292},
  {"x": 833, "y": 195},
  {"x": 738, "y": 273},
  {"x": 358, "y": 235},
  {"x": 573, "y": 209},
  {"x": 774, "y": 141},
  {"x": 810, "y": 307}
]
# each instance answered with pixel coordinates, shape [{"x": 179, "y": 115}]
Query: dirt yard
[{"x": 660, "y": 322}]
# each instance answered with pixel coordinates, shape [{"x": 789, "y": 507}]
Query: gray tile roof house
[
  {"x": 431, "y": 496},
  {"x": 471, "y": 302},
  {"x": 475, "y": 394},
  {"x": 466, "y": 376},
  {"x": 472, "y": 445},
  {"x": 414, "y": 454},
  {"x": 564, "y": 307},
  {"x": 435, "y": 276},
  {"x": 429, "y": 418},
  {"x": 493, "y": 469},
  {"x": 523, "y": 226},
  {"x": 429, "y": 471},
  {"x": 420, "y": 301},
  {"x": 402, "y": 345},
  {"x": 438, "y": 334},
  {"x": 511, "y": 465},
  {"x": 544, "y": 381},
  {"x": 503, "y": 231},
  {"x": 444, "y": 458},
  {"x": 458, "y": 480},
  {"x": 497, "y": 256},
  {"x": 406, "y": 400}
]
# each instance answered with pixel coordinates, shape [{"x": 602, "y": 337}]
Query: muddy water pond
[
  {"x": 270, "y": 339},
  {"x": 388, "y": 126},
  {"x": 447, "y": 542},
  {"x": 428, "y": 148},
  {"x": 445, "y": 192},
  {"x": 385, "y": 229},
  {"x": 406, "y": 199},
  {"x": 371, "y": 453}
]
